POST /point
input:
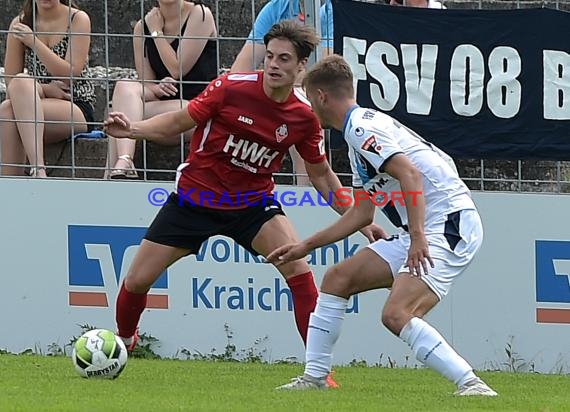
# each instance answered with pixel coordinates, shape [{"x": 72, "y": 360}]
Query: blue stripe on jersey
[
  {"x": 347, "y": 118},
  {"x": 362, "y": 172}
]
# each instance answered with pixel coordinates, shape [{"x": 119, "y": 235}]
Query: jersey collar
[{"x": 347, "y": 117}]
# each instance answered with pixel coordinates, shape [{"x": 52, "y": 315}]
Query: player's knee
[
  {"x": 136, "y": 284},
  {"x": 294, "y": 268},
  {"x": 337, "y": 282},
  {"x": 394, "y": 319}
]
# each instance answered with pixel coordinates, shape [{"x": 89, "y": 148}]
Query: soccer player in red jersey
[{"x": 245, "y": 124}]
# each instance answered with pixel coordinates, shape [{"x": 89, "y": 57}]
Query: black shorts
[
  {"x": 88, "y": 112},
  {"x": 187, "y": 226}
]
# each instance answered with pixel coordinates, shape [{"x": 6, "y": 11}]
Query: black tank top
[{"x": 204, "y": 70}]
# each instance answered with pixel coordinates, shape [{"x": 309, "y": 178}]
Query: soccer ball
[{"x": 99, "y": 353}]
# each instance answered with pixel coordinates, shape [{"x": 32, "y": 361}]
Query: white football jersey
[{"x": 373, "y": 138}]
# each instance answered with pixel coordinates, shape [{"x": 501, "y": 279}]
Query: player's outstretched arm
[
  {"x": 327, "y": 184},
  {"x": 154, "y": 129},
  {"x": 355, "y": 218}
]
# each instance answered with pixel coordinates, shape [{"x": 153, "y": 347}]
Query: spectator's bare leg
[
  {"x": 11, "y": 144},
  {"x": 127, "y": 98},
  {"x": 14, "y": 148},
  {"x": 25, "y": 96},
  {"x": 155, "y": 108},
  {"x": 67, "y": 118}
]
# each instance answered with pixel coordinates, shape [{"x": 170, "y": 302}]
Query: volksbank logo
[
  {"x": 99, "y": 258},
  {"x": 552, "y": 281},
  {"x": 206, "y": 294},
  {"x": 223, "y": 250},
  {"x": 250, "y": 294}
]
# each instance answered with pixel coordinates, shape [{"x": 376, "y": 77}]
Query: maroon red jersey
[{"x": 240, "y": 140}]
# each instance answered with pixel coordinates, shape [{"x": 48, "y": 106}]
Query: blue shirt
[{"x": 278, "y": 10}]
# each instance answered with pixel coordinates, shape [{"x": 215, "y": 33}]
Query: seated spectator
[
  {"x": 52, "y": 99},
  {"x": 253, "y": 51},
  {"x": 175, "y": 60}
]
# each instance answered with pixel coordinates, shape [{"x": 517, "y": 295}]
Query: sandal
[
  {"x": 128, "y": 173},
  {"x": 34, "y": 171}
]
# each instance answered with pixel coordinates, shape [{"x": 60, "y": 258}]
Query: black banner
[{"x": 490, "y": 84}]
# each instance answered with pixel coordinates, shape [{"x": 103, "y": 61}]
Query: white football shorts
[{"x": 452, "y": 247}]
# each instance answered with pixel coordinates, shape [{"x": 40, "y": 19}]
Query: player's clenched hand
[
  {"x": 117, "y": 125},
  {"x": 287, "y": 253},
  {"x": 373, "y": 232},
  {"x": 419, "y": 257}
]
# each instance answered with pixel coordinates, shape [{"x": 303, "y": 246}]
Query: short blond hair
[{"x": 331, "y": 74}]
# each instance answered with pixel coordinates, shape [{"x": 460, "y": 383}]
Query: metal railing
[{"x": 110, "y": 37}]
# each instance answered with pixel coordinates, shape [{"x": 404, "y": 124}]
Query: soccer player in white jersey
[{"x": 440, "y": 233}]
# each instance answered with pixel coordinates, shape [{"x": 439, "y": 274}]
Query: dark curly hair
[{"x": 304, "y": 38}]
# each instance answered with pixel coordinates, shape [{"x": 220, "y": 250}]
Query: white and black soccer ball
[{"x": 99, "y": 353}]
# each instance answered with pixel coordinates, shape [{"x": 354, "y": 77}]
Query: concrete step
[
  {"x": 161, "y": 161},
  {"x": 86, "y": 158}
]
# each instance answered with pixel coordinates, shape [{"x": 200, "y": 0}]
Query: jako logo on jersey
[
  {"x": 251, "y": 152},
  {"x": 281, "y": 133},
  {"x": 99, "y": 257},
  {"x": 552, "y": 281},
  {"x": 245, "y": 120}
]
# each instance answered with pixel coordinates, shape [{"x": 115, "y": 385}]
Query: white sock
[
  {"x": 430, "y": 348},
  {"x": 324, "y": 328}
]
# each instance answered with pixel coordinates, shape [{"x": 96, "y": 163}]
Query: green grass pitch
[{"x": 44, "y": 383}]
